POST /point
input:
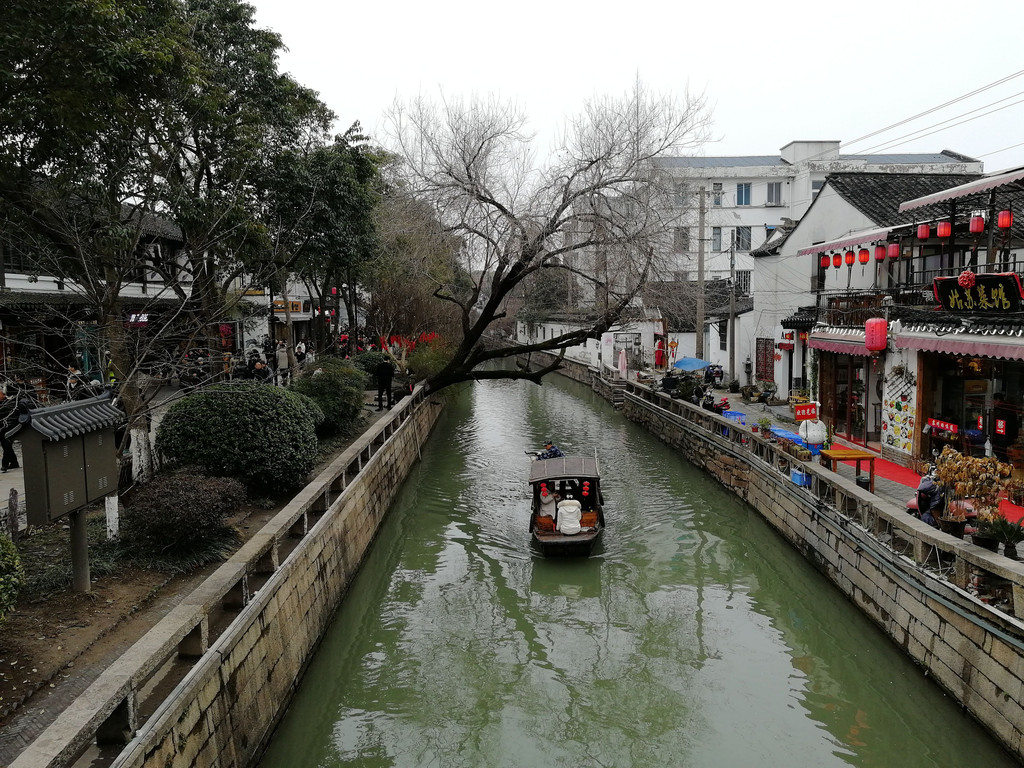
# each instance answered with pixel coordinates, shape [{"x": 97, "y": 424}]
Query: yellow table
[{"x": 830, "y": 457}]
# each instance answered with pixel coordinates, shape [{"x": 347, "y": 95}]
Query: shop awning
[
  {"x": 983, "y": 184},
  {"x": 1008, "y": 346},
  {"x": 842, "y": 342},
  {"x": 861, "y": 237}
]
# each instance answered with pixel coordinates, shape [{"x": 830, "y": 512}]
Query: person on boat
[{"x": 551, "y": 451}]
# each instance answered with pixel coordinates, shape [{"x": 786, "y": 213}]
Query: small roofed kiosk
[{"x": 70, "y": 462}]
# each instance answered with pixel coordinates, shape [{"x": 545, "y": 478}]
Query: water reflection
[{"x": 696, "y": 638}]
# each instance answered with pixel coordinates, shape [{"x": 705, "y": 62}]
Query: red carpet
[{"x": 894, "y": 472}]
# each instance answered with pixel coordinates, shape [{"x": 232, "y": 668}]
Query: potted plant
[
  {"x": 734, "y": 386},
  {"x": 1009, "y": 533},
  {"x": 983, "y": 536},
  {"x": 953, "y": 522},
  {"x": 764, "y": 424}
]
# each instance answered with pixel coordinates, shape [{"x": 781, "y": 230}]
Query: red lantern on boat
[
  {"x": 825, "y": 260},
  {"x": 893, "y": 250},
  {"x": 849, "y": 258},
  {"x": 944, "y": 229},
  {"x": 977, "y": 225},
  {"x": 923, "y": 231},
  {"x": 875, "y": 334},
  {"x": 543, "y": 489},
  {"x": 879, "y": 253},
  {"x": 586, "y": 489},
  {"x": 837, "y": 260},
  {"x": 1005, "y": 219}
]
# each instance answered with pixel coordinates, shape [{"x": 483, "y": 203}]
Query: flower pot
[
  {"x": 985, "y": 542},
  {"x": 952, "y": 527},
  {"x": 1010, "y": 551}
]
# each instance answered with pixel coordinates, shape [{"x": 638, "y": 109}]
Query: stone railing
[
  {"x": 208, "y": 682},
  {"x": 954, "y": 607}
]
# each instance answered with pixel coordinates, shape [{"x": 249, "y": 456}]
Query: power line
[{"x": 935, "y": 109}]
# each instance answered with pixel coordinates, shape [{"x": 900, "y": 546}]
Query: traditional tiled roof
[
  {"x": 58, "y": 422},
  {"x": 878, "y": 195},
  {"x": 801, "y": 320}
]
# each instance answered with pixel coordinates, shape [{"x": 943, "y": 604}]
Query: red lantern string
[
  {"x": 944, "y": 229},
  {"x": 923, "y": 231},
  {"x": 863, "y": 256},
  {"x": 894, "y": 250},
  {"x": 879, "y": 253},
  {"x": 849, "y": 258}
]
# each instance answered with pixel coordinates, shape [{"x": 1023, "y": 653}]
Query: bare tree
[{"x": 595, "y": 209}]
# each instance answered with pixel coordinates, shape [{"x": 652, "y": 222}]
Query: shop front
[
  {"x": 850, "y": 385},
  {"x": 970, "y": 391}
]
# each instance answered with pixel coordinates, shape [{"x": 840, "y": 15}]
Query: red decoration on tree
[{"x": 966, "y": 279}]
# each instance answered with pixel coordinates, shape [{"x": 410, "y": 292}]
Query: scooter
[{"x": 709, "y": 404}]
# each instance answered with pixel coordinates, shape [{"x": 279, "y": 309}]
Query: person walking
[
  {"x": 8, "y": 421},
  {"x": 385, "y": 373},
  {"x": 283, "y": 372},
  {"x": 300, "y": 353}
]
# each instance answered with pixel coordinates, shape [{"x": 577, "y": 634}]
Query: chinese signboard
[
  {"x": 805, "y": 411},
  {"x": 293, "y": 306},
  {"x": 996, "y": 292},
  {"x": 944, "y": 425}
]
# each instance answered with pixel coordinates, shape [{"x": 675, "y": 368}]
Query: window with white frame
[
  {"x": 742, "y": 238},
  {"x": 774, "y": 193},
  {"x": 716, "y": 238},
  {"x": 816, "y": 188},
  {"x": 723, "y": 335},
  {"x": 743, "y": 193},
  {"x": 743, "y": 282}
]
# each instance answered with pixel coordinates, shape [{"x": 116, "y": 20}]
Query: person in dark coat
[
  {"x": 384, "y": 373},
  {"x": 8, "y": 421}
]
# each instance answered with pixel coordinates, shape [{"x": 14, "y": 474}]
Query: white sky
[{"x": 775, "y": 71}]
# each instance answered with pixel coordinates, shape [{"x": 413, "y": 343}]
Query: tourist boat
[{"x": 566, "y": 507}]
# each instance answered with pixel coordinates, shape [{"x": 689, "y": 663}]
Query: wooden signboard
[{"x": 994, "y": 292}]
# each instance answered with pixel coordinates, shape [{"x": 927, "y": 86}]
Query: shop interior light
[
  {"x": 1005, "y": 219},
  {"x": 849, "y": 258},
  {"x": 977, "y": 225},
  {"x": 924, "y": 231},
  {"x": 879, "y": 253},
  {"x": 894, "y": 250},
  {"x": 944, "y": 229}
]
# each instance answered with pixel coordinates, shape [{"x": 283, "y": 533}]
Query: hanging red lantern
[
  {"x": 863, "y": 256},
  {"x": 894, "y": 250},
  {"x": 944, "y": 229},
  {"x": 1005, "y": 219},
  {"x": 849, "y": 258},
  {"x": 837, "y": 260},
  {"x": 825, "y": 260},
  {"x": 923, "y": 231},
  {"x": 977, "y": 225},
  {"x": 875, "y": 332},
  {"x": 879, "y": 253}
]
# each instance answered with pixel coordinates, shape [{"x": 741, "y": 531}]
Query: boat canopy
[{"x": 563, "y": 467}]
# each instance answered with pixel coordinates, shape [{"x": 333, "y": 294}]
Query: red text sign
[
  {"x": 805, "y": 411},
  {"x": 945, "y": 425}
]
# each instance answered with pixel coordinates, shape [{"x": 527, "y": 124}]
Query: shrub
[
  {"x": 368, "y": 361},
  {"x": 12, "y": 577},
  {"x": 429, "y": 359},
  {"x": 337, "y": 389},
  {"x": 258, "y": 433},
  {"x": 177, "y": 520}
]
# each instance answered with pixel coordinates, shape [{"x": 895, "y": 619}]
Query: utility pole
[
  {"x": 699, "y": 319},
  {"x": 732, "y": 306}
]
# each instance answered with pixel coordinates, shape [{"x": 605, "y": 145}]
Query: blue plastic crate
[
  {"x": 802, "y": 479},
  {"x": 738, "y": 416}
]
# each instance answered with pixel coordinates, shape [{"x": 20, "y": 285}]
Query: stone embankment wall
[
  {"x": 953, "y": 607},
  {"x": 270, "y": 603}
]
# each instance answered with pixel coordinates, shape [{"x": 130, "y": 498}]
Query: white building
[{"x": 747, "y": 199}]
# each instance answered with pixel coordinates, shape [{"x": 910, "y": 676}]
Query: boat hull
[{"x": 560, "y": 545}]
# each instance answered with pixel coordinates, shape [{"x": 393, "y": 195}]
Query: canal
[{"x": 695, "y": 636}]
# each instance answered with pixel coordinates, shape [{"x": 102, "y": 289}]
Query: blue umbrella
[{"x": 691, "y": 364}]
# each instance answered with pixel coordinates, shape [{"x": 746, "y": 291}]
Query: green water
[{"x": 694, "y": 637}]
